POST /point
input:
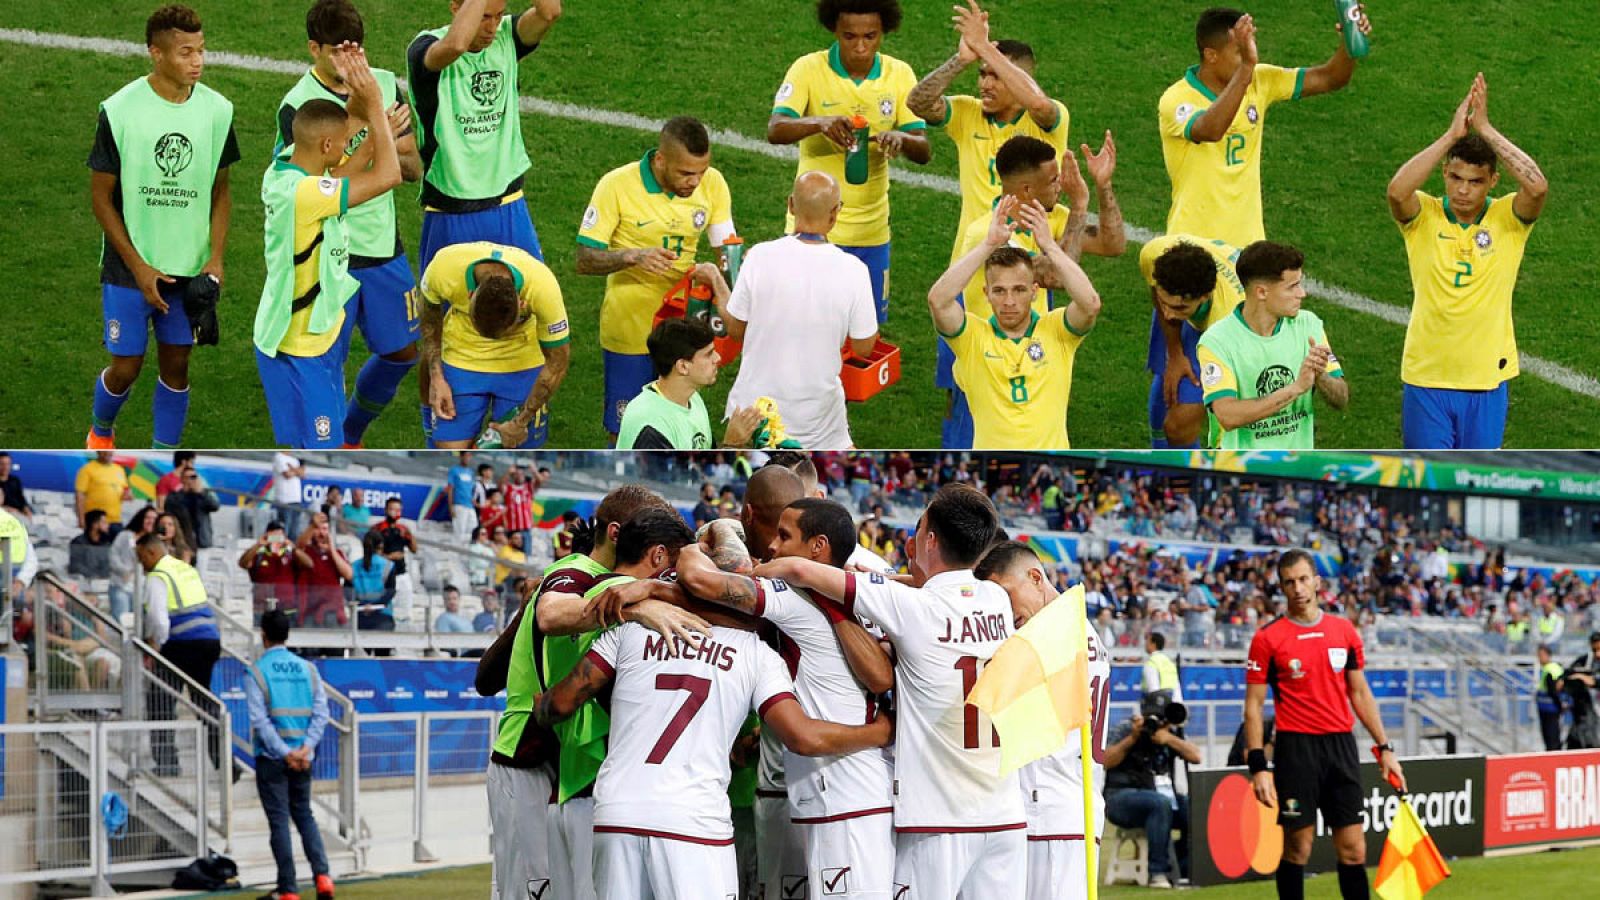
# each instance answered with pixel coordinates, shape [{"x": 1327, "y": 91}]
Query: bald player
[{"x": 797, "y": 301}]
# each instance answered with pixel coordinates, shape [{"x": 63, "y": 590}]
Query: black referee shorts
[{"x": 1316, "y": 772}]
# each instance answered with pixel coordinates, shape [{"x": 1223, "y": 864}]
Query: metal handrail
[{"x": 139, "y": 659}]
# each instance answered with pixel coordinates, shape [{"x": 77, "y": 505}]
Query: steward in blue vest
[{"x": 288, "y": 715}]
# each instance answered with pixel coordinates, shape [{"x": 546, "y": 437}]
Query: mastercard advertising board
[{"x": 1235, "y": 838}]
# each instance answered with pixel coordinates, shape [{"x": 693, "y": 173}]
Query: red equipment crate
[{"x": 865, "y": 377}]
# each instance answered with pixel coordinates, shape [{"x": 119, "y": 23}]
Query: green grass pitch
[
  {"x": 1564, "y": 874},
  {"x": 1326, "y": 165}
]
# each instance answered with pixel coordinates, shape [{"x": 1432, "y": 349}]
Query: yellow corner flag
[
  {"x": 1036, "y": 688},
  {"x": 1411, "y": 864}
]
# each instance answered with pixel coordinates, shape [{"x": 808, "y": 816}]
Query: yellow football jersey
[
  {"x": 630, "y": 209},
  {"x": 1230, "y": 291},
  {"x": 1017, "y": 388},
  {"x": 449, "y": 281},
  {"x": 818, "y": 84},
  {"x": 1216, "y": 187},
  {"x": 1462, "y": 276},
  {"x": 975, "y": 300},
  {"x": 978, "y": 136},
  {"x": 311, "y": 206}
]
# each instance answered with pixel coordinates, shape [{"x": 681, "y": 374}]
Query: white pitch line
[{"x": 1543, "y": 369}]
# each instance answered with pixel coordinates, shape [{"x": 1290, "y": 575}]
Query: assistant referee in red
[{"x": 1313, "y": 661}]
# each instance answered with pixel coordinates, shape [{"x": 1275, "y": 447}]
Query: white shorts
[
  {"x": 517, "y": 802},
  {"x": 780, "y": 852},
  {"x": 572, "y": 860},
  {"x": 636, "y": 867},
  {"x": 989, "y": 865},
  {"x": 462, "y": 520},
  {"x": 1056, "y": 870},
  {"x": 851, "y": 858}
]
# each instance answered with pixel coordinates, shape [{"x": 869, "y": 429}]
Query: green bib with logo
[
  {"x": 278, "y": 188},
  {"x": 583, "y": 736},
  {"x": 478, "y": 128},
  {"x": 523, "y": 678},
  {"x": 169, "y": 155},
  {"x": 371, "y": 226}
]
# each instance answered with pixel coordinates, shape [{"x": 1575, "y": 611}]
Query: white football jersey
[
  {"x": 1052, "y": 788},
  {"x": 947, "y": 754},
  {"x": 823, "y": 788},
  {"x": 675, "y": 713},
  {"x": 866, "y": 559}
]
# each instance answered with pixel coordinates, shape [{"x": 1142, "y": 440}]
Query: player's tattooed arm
[
  {"x": 701, "y": 577},
  {"x": 554, "y": 371},
  {"x": 927, "y": 98},
  {"x": 586, "y": 680},
  {"x": 1532, "y": 186},
  {"x": 595, "y": 261},
  {"x": 1109, "y": 237},
  {"x": 432, "y": 337}
]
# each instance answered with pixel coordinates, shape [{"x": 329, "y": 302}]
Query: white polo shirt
[{"x": 801, "y": 302}]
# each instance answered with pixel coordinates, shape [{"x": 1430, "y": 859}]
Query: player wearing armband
[{"x": 642, "y": 230}]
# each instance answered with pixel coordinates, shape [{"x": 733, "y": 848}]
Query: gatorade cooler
[
  {"x": 689, "y": 300},
  {"x": 864, "y": 378}
]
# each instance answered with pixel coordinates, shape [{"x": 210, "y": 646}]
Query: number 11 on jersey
[{"x": 970, "y": 667}]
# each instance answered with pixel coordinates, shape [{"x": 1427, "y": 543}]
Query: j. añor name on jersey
[{"x": 975, "y": 628}]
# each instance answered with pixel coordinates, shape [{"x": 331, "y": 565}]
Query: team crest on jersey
[
  {"x": 114, "y": 329},
  {"x": 173, "y": 154},
  {"x": 537, "y": 888},
  {"x": 1183, "y": 112},
  {"x": 1252, "y": 114},
  {"x": 486, "y": 86},
  {"x": 1337, "y": 657},
  {"x": 1273, "y": 378},
  {"x": 1483, "y": 240},
  {"x": 1036, "y": 351},
  {"x": 886, "y": 107},
  {"x": 699, "y": 219},
  {"x": 1296, "y": 671},
  {"x": 1210, "y": 374},
  {"x": 324, "y": 427}
]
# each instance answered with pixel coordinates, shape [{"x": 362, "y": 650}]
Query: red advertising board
[{"x": 1541, "y": 798}]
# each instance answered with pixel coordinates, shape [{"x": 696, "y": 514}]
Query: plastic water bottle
[
  {"x": 491, "y": 438},
  {"x": 856, "y": 162},
  {"x": 732, "y": 258},
  {"x": 1355, "y": 43}
]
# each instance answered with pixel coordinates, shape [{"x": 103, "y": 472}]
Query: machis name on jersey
[
  {"x": 707, "y": 651},
  {"x": 976, "y": 628}
]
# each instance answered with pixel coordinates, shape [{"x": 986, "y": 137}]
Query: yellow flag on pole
[
  {"x": 1411, "y": 864},
  {"x": 1036, "y": 688}
]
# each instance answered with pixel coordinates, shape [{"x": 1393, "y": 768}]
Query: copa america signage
[{"x": 1235, "y": 838}]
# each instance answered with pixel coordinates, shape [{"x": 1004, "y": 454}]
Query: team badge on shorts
[
  {"x": 1252, "y": 114},
  {"x": 699, "y": 219},
  {"x": 1483, "y": 240},
  {"x": 324, "y": 427},
  {"x": 835, "y": 882},
  {"x": 537, "y": 888},
  {"x": 622, "y": 407},
  {"x": 114, "y": 329},
  {"x": 886, "y": 107},
  {"x": 1291, "y": 807},
  {"x": 1036, "y": 351}
]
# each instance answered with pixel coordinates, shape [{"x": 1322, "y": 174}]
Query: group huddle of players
[
  {"x": 1234, "y": 357},
  {"x": 641, "y": 674}
]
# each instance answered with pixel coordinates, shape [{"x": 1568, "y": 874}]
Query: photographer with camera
[
  {"x": 1141, "y": 752},
  {"x": 1579, "y": 684}
]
